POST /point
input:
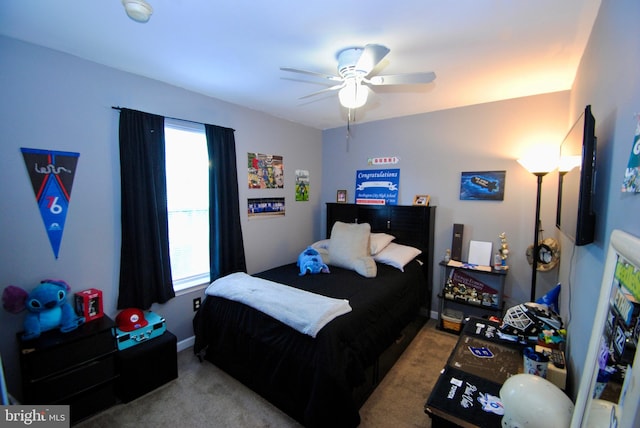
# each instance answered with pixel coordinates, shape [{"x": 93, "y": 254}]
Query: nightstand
[
  {"x": 147, "y": 366},
  {"x": 77, "y": 368}
]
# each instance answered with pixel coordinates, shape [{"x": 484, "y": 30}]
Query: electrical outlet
[{"x": 196, "y": 304}]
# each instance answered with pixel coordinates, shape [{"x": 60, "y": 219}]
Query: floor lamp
[{"x": 538, "y": 167}]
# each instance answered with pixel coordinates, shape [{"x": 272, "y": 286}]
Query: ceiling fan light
[
  {"x": 353, "y": 95},
  {"x": 138, "y": 10}
]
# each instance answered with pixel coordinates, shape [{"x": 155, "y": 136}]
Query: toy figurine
[
  {"x": 310, "y": 261},
  {"x": 47, "y": 308},
  {"x": 504, "y": 250}
]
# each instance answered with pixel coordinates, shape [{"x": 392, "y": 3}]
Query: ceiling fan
[{"x": 356, "y": 75}]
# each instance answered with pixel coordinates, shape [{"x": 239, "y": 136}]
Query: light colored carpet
[{"x": 205, "y": 396}]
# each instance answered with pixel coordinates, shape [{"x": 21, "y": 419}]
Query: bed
[{"x": 322, "y": 380}]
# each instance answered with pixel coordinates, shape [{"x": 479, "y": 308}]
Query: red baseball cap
[{"x": 131, "y": 319}]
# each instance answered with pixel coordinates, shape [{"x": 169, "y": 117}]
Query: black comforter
[{"x": 311, "y": 379}]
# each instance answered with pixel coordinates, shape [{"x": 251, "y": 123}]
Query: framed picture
[
  {"x": 421, "y": 200},
  {"x": 341, "y": 196},
  {"x": 265, "y": 207},
  {"x": 482, "y": 185}
]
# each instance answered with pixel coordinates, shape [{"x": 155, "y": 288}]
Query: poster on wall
[
  {"x": 631, "y": 181},
  {"x": 302, "y": 185},
  {"x": 485, "y": 185},
  {"x": 377, "y": 186},
  {"x": 265, "y": 171},
  {"x": 265, "y": 207},
  {"x": 51, "y": 173}
]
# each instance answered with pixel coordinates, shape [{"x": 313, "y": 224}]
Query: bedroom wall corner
[{"x": 56, "y": 101}]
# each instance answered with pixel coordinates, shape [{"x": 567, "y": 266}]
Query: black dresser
[{"x": 76, "y": 368}]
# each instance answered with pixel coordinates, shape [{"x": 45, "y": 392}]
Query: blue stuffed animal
[
  {"x": 310, "y": 261},
  {"x": 47, "y": 308}
]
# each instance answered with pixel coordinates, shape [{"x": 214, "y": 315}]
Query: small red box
[{"x": 89, "y": 304}]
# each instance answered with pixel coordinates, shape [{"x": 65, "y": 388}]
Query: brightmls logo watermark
[{"x": 34, "y": 416}]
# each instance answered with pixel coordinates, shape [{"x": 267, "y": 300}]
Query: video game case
[{"x": 456, "y": 242}]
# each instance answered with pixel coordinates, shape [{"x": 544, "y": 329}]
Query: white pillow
[
  {"x": 324, "y": 253},
  {"x": 397, "y": 255},
  {"x": 366, "y": 267},
  {"x": 322, "y": 244},
  {"x": 349, "y": 248},
  {"x": 378, "y": 241}
]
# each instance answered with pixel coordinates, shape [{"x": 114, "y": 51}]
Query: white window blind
[{"x": 187, "y": 166}]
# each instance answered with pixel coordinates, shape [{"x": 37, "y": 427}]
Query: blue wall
[{"x": 608, "y": 80}]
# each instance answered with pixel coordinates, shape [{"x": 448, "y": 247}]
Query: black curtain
[
  {"x": 145, "y": 269},
  {"x": 226, "y": 249}
]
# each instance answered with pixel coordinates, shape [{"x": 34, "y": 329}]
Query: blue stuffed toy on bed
[{"x": 310, "y": 261}]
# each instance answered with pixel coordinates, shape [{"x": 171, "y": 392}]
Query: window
[{"x": 187, "y": 165}]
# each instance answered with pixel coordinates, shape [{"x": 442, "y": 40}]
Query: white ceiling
[{"x": 481, "y": 50}]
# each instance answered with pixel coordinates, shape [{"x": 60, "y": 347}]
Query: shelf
[
  {"x": 478, "y": 284},
  {"x": 502, "y": 272},
  {"x": 474, "y": 305}
]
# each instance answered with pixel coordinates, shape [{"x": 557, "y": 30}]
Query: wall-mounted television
[{"x": 575, "y": 215}]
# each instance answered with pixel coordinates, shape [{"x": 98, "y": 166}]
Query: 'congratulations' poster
[
  {"x": 377, "y": 186},
  {"x": 51, "y": 174}
]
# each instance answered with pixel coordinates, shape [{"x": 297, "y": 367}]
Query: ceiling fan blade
[
  {"x": 370, "y": 57},
  {"x": 403, "y": 79},
  {"x": 322, "y": 91},
  {"x": 312, "y": 73}
]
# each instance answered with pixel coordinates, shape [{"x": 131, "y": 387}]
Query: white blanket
[{"x": 306, "y": 312}]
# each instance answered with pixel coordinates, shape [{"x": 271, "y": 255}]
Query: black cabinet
[
  {"x": 411, "y": 225},
  {"x": 147, "y": 366},
  {"x": 76, "y": 368}
]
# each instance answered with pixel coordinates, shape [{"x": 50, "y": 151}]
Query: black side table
[
  {"x": 146, "y": 366},
  {"x": 77, "y": 368}
]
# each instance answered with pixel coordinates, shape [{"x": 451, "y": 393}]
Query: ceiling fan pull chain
[{"x": 348, "y": 128}]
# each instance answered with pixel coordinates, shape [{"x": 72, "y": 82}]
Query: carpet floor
[{"x": 205, "y": 396}]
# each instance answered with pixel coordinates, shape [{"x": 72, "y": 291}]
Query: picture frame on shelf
[
  {"x": 341, "y": 197},
  {"x": 421, "y": 200}
]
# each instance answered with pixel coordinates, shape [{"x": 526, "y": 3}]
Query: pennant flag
[
  {"x": 631, "y": 181},
  {"x": 51, "y": 174}
]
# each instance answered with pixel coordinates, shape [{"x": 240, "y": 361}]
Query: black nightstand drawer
[
  {"x": 57, "y": 389},
  {"x": 45, "y": 362},
  {"x": 90, "y": 402}
]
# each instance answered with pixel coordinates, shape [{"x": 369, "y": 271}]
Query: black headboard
[{"x": 411, "y": 225}]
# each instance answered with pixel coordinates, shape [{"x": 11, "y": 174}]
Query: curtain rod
[{"x": 174, "y": 118}]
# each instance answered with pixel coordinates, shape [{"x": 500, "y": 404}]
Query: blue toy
[
  {"x": 310, "y": 261},
  {"x": 47, "y": 308}
]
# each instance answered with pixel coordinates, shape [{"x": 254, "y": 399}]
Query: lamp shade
[
  {"x": 353, "y": 95},
  {"x": 567, "y": 163},
  {"x": 539, "y": 164}
]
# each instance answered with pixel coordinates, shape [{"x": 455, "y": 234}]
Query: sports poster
[
  {"x": 265, "y": 171},
  {"x": 265, "y": 207},
  {"x": 484, "y": 185},
  {"x": 631, "y": 181},
  {"x": 51, "y": 173},
  {"x": 302, "y": 185}
]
